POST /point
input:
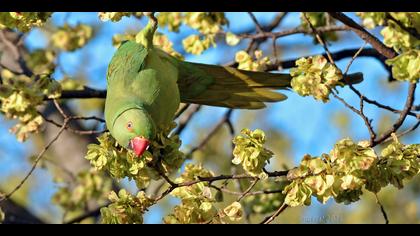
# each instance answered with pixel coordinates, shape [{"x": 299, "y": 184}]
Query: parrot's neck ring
[{"x": 137, "y": 107}]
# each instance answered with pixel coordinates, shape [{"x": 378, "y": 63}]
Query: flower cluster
[
  {"x": 160, "y": 40},
  {"x": 70, "y": 38},
  {"x": 117, "y": 16},
  {"x": 196, "y": 200},
  {"x": 173, "y": 20},
  {"x": 246, "y": 62},
  {"x": 207, "y": 24},
  {"x": 196, "y": 44},
  {"x": 347, "y": 169},
  {"x": 232, "y": 39},
  {"x": 41, "y": 61},
  {"x": 19, "y": 97},
  {"x": 315, "y": 76},
  {"x": 319, "y": 19},
  {"x": 372, "y": 19},
  {"x": 338, "y": 175},
  {"x": 398, "y": 162},
  {"x": 125, "y": 208},
  {"x": 234, "y": 212},
  {"x": 406, "y": 66},
  {"x": 23, "y": 21},
  {"x": 250, "y": 152},
  {"x": 120, "y": 163},
  {"x": 399, "y": 33}
]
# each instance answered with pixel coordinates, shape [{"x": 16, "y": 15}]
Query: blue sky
[{"x": 304, "y": 120}]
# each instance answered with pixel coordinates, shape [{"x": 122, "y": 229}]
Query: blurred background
[{"x": 295, "y": 127}]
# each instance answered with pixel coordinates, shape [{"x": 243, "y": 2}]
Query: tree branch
[
  {"x": 86, "y": 92},
  {"x": 365, "y": 35},
  {"x": 212, "y": 179},
  {"x": 276, "y": 22},
  {"x": 336, "y": 56},
  {"x": 298, "y": 30},
  {"x": 408, "y": 104},
  {"x": 257, "y": 24}
]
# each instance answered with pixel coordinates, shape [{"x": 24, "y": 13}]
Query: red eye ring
[{"x": 129, "y": 126}]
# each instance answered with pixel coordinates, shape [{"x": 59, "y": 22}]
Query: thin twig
[
  {"x": 298, "y": 30},
  {"x": 269, "y": 219},
  {"x": 88, "y": 118},
  {"x": 80, "y": 132},
  {"x": 249, "y": 193},
  {"x": 408, "y": 104},
  {"x": 352, "y": 60},
  {"x": 186, "y": 118},
  {"x": 385, "y": 107},
  {"x": 212, "y": 179},
  {"x": 248, "y": 189},
  {"x": 368, "y": 122},
  {"x": 59, "y": 109},
  {"x": 38, "y": 158},
  {"x": 212, "y": 132},
  {"x": 276, "y": 22},
  {"x": 414, "y": 127},
  {"x": 385, "y": 215},
  {"x": 319, "y": 38},
  {"x": 358, "y": 112}
]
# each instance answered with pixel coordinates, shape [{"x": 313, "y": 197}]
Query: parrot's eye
[{"x": 130, "y": 126}]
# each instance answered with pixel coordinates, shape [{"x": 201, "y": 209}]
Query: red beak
[{"x": 139, "y": 145}]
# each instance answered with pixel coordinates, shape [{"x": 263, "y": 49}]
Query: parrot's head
[{"x": 133, "y": 129}]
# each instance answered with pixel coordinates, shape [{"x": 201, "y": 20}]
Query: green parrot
[{"x": 145, "y": 87}]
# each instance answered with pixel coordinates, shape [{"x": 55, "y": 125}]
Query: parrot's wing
[
  {"x": 229, "y": 87},
  {"x": 127, "y": 61}
]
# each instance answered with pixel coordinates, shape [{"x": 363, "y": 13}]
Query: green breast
[{"x": 140, "y": 77}]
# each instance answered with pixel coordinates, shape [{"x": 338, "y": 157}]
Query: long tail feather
[{"x": 236, "y": 88}]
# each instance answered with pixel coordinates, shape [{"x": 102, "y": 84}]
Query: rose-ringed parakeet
[{"x": 145, "y": 87}]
